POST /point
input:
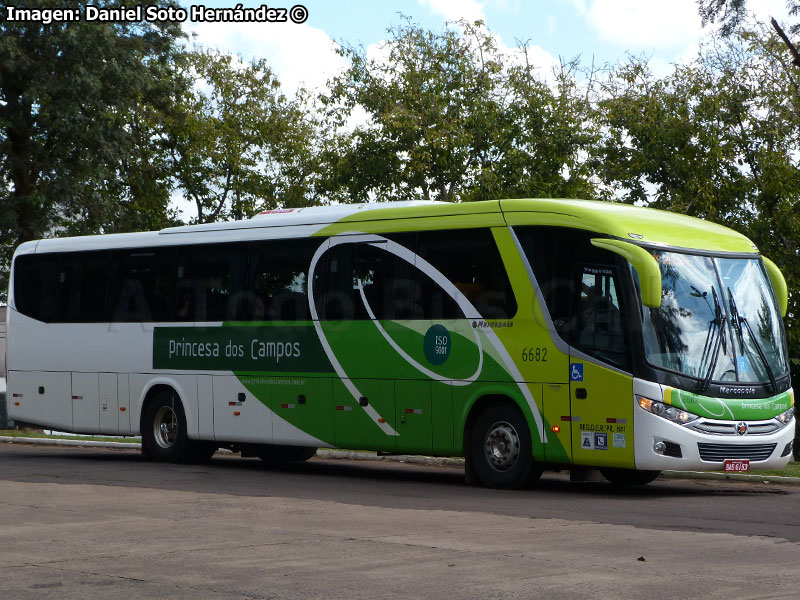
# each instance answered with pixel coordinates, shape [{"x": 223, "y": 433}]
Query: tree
[
  {"x": 732, "y": 14},
  {"x": 71, "y": 95},
  {"x": 237, "y": 144},
  {"x": 728, "y": 13},
  {"x": 450, "y": 118},
  {"x": 717, "y": 139}
]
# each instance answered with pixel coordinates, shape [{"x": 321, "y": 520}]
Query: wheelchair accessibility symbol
[{"x": 576, "y": 372}]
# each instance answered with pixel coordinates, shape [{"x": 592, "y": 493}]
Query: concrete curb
[
  {"x": 412, "y": 459},
  {"x": 422, "y": 460},
  {"x": 62, "y": 442}
]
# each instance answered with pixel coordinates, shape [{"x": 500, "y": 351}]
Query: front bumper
[{"x": 686, "y": 449}]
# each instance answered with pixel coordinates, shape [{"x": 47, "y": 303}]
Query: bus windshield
[{"x": 718, "y": 320}]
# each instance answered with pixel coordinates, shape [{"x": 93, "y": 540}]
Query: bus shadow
[{"x": 324, "y": 477}]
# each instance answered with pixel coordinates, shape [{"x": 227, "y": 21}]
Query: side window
[
  {"x": 599, "y": 315},
  {"x": 81, "y": 287},
  {"x": 388, "y": 283},
  {"x": 278, "y": 286},
  {"x": 470, "y": 260},
  {"x": 209, "y": 282},
  {"x": 35, "y": 285},
  {"x": 389, "y": 288},
  {"x": 140, "y": 285}
]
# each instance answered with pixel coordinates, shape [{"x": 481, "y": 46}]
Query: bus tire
[
  {"x": 500, "y": 447},
  {"x": 280, "y": 455},
  {"x": 629, "y": 476},
  {"x": 164, "y": 437}
]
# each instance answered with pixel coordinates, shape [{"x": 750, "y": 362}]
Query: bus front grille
[
  {"x": 728, "y": 428},
  {"x": 719, "y": 452}
]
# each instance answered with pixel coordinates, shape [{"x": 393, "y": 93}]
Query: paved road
[{"x": 97, "y": 523}]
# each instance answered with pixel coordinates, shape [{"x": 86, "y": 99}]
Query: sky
[{"x": 598, "y": 31}]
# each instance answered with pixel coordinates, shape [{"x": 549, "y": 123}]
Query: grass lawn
[{"x": 790, "y": 470}]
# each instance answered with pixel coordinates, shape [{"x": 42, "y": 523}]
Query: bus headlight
[
  {"x": 670, "y": 413},
  {"x": 786, "y": 415}
]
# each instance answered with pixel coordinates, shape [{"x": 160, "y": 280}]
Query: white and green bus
[{"x": 521, "y": 334}]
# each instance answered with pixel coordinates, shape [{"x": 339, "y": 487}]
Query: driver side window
[{"x": 600, "y": 330}]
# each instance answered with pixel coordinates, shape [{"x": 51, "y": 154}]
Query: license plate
[{"x": 737, "y": 465}]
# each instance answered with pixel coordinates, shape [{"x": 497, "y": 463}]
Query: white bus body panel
[
  {"x": 78, "y": 347},
  {"x": 85, "y": 403},
  {"x": 40, "y": 398},
  {"x": 109, "y": 403},
  {"x": 205, "y": 407},
  {"x": 124, "y": 402},
  {"x": 238, "y": 415},
  {"x": 650, "y": 429}
]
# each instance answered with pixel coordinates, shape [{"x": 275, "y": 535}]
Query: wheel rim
[
  {"x": 165, "y": 426},
  {"x": 502, "y": 446}
]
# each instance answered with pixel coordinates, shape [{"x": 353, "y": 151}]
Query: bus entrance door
[{"x": 602, "y": 415}]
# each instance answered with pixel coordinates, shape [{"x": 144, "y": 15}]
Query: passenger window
[
  {"x": 81, "y": 287},
  {"x": 470, "y": 260},
  {"x": 209, "y": 283},
  {"x": 278, "y": 288},
  {"x": 140, "y": 285},
  {"x": 387, "y": 280},
  {"x": 35, "y": 285}
]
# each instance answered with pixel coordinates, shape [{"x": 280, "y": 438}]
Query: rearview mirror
[{"x": 778, "y": 284}]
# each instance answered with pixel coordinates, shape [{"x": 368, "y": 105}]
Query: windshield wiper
[
  {"x": 716, "y": 338},
  {"x": 738, "y": 320}
]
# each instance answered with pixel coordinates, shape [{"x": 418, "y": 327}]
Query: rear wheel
[
  {"x": 164, "y": 434},
  {"x": 500, "y": 448},
  {"x": 629, "y": 476}
]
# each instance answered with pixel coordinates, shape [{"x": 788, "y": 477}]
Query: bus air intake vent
[
  {"x": 788, "y": 449},
  {"x": 672, "y": 449},
  {"x": 719, "y": 452}
]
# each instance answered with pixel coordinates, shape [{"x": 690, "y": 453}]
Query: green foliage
[
  {"x": 72, "y": 138},
  {"x": 238, "y": 145},
  {"x": 728, "y": 13},
  {"x": 450, "y": 118},
  {"x": 717, "y": 139}
]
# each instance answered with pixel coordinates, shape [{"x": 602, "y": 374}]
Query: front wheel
[
  {"x": 500, "y": 448},
  {"x": 629, "y": 476}
]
